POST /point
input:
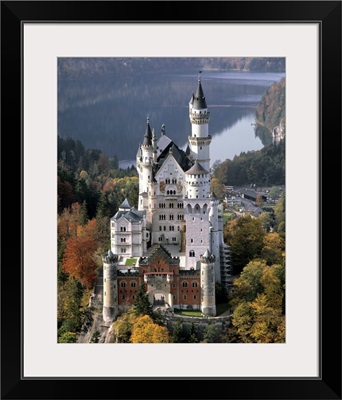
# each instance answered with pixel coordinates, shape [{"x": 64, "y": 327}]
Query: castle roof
[
  {"x": 125, "y": 204},
  {"x": 178, "y": 154},
  {"x": 148, "y": 134},
  {"x": 131, "y": 215},
  {"x": 198, "y": 102},
  {"x": 196, "y": 169}
]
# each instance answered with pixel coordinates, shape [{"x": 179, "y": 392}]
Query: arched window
[
  {"x": 191, "y": 253},
  {"x": 133, "y": 284},
  {"x": 194, "y": 284},
  {"x": 185, "y": 284},
  {"x": 123, "y": 284}
]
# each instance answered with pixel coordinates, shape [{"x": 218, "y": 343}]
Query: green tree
[
  {"x": 212, "y": 334},
  {"x": 273, "y": 251},
  {"x": 245, "y": 235},
  {"x": 193, "y": 334},
  {"x": 142, "y": 305},
  {"x": 279, "y": 212},
  {"x": 67, "y": 337},
  {"x": 179, "y": 335}
]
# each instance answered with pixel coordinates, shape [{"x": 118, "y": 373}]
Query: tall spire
[
  {"x": 199, "y": 98},
  {"x": 148, "y": 134}
]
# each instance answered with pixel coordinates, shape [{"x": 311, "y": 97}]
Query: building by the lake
[{"x": 173, "y": 243}]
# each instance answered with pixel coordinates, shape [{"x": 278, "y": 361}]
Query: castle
[{"x": 173, "y": 243}]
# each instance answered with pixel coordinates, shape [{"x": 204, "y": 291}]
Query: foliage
[
  {"x": 67, "y": 337},
  {"x": 212, "y": 334},
  {"x": 258, "y": 299},
  {"x": 146, "y": 331},
  {"x": 95, "y": 337},
  {"x": 279, "y": 211},
  {"x": 142, "y": 305},
  {"x": 78, "y": 260},
  {"x": 123, "y": 327},
  {"x": 273, "y": 250},
  {"x": 245, "y": 235},
  {"x": 270, "y": 111},
  {"x": 261, "y": 167},
  {"x": 179, "y": 334}
]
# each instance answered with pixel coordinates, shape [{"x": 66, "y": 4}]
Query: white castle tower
[
  {"x": 197, "y": 205},
  {"x": 208, "y": 284},
  {"x": 110, "y": 287},
  {"x": 199, "y": 141},
  {"x": 145, "y": 157}
]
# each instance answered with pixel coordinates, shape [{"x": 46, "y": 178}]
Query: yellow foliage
[{"x": 146, "y": 331}]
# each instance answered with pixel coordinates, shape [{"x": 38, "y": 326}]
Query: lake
[{"x": 109, "y": 113}]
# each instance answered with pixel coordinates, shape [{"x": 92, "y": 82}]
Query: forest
[
  {"x": 265, "y": 167},
  {"x": 82, "y": 67}
]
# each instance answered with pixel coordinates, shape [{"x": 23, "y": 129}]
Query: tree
[
  {"x": 212, "y": 334},
  {"x": 79, "y": 261},
  {"x": 179, "y": 335},
  {"x": 266, "y": 220},
  {"x": 145, "y": 331},
  {"x": 67, "y": 337},
  {"x": 245, "y": 235},
  {"x": 217, "y": 187},
  {"x": 142, "y": 305},
  {"x": 259, "y": 200},
  {"x": 123, "y": 327},
  {"x": 279, "y": 212},
  {"x": 258, "y": 301},
  {"x": 273, "y": 249},
  {"x": 193, "y": 334}
]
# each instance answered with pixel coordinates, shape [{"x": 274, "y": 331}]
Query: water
[{"x": 110, "y": 113}]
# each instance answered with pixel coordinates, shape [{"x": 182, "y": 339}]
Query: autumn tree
[
  {"x": 78, "y": 260},
  {"x": 258, "y": 300},
  {"x": 273, "y": 251},
  {"x": 245, "y": 235},
  {"x": 279, "y": 211},
  {"x": 123, "y": 327},
  {"x": 146, "y": 331},
  {"x": 217, "y": 187}
]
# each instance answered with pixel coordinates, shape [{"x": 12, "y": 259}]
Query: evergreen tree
[{"x": 142, "y": 305}]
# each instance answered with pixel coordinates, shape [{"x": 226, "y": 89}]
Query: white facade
[{"x": 174, "y": 191}]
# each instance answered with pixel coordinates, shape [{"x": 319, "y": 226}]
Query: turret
[
  {"x": 196, "y": 205},
  {"x": 199, "y": 140},
  {"x": 145, "y": 158},
  {"x": 208, "y": 305},
  {"x": 110, "y": 287}
]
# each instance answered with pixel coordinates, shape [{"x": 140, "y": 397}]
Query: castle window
[
  {"x": 168, "y": 192},
  {"x": 185, "y": 284},
  {"x": 160, "y": 228},
  {"x": 123, "y": 297},
  {"x": 178, "y": 228},
  {"x": 123, "y": 284},
  {"x": 133, "y": 297},
  {"x": 123, "y": 229},
  {"x": 173, "y": 285},
  {"x": 191, "y": 240},
  {"x": 123, "y": 240},
  {"x": 164, "y": 228},
  {"x": 194, "y": 284},
  {"x": 191, "y": 253},
  {"x": 160, "y": 239},
  {"x": 123, "y": 250},
  {"x": 195, "y": 297},
  {"x": 174, "y": 297},
  {"x": 174, "y": 239},
  {"x": 172, "y": 228},
  {"x": 200, "y": 147},
  {"x": 133, "y": 284},
  {"x": 184, "y": 296},
  {"x": 171, "y": 217}
]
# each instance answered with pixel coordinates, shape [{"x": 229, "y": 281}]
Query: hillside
[{"x": 81, "y": 67}]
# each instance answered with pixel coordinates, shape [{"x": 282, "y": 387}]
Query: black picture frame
[{"x": 328, "y": 384}]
